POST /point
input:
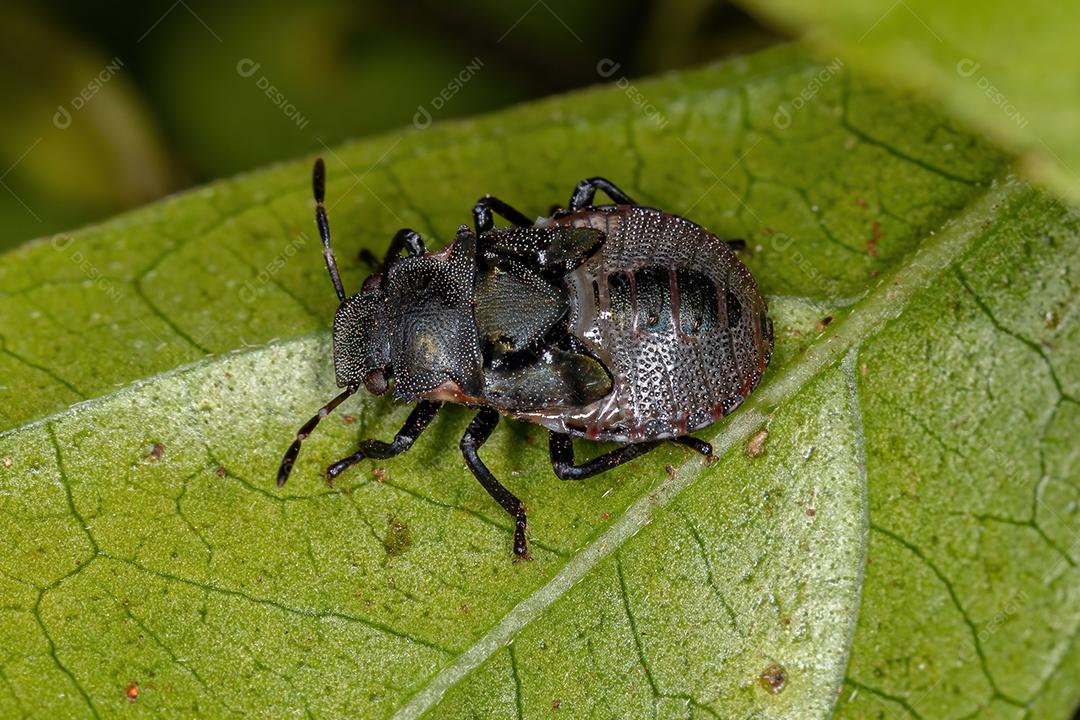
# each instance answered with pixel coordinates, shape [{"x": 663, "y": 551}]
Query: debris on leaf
[
  {"x": 773, "y": 678},
  {"x": 824, "y": 323},
  {"x": 156, "y": 451},
  {"x": 7, "y": 461},
  {"x": 755, "y": 446},
  {"x": 132, "y": 692},
  {"x": 398, "y": 537}
]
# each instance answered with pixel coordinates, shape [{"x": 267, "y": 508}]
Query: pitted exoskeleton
[{"x": 618, "y": 323}]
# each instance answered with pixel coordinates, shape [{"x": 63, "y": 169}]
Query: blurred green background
[{"x": 111, "y": 108}]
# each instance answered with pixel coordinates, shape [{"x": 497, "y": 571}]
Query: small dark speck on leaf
[
  {"x": 350, "y": 419},
  {"x": 670, "y": 470},
  {"x": 1051, "y": 320},
  {"x": 811, "y": 512},
  {"x": 824, "y": 323},
  {"x": 132, "y": 692},
  {"x": 379, "y": 473},
  {"x": 156, "y": 451},
  {"x": 605, "y": 516},
  {"x": 220, "y": 471},
  {"x": 755, "y": 446},
  {"x": 773, "y": 678},
  {"x": 556, "y": 704},
  {"x": 398, "y": 538}
]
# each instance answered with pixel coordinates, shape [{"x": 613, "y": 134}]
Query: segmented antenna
[
  {"x": 306, "y": 429},
  {"x": 318, "y": 186}
]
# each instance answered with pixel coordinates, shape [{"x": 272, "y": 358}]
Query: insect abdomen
[{"x": 675, "y": 317}]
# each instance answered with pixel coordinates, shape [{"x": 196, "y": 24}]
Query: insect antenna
[
  {"x": 306, "y": 429},
  {"x": 318, "y": 186}
]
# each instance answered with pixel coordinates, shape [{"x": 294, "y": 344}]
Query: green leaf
[
  {"x": 1007, "y": 69},
  {"x": 929, "y": 425}
]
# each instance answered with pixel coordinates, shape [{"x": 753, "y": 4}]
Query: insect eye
[{"x": 375, "y": 382}]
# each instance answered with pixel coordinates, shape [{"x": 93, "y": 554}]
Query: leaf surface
[{"x": 1007, "y": 69}]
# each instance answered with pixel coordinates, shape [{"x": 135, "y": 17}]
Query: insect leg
[
  {"x": 306, "y": 429},
  {"x": 561, "y": 446},
  {"x": 736, "y": 244},
  {"x": 475, "y": 435},
  {"x": 418, "y": 419},
  {"x": 485, "y": 206},
  {"x": 368, "y": 258},
  {"x": 586, "y": 190},
  {"x": 694, "y": 444},
  {"x": 404, "y": 239}
]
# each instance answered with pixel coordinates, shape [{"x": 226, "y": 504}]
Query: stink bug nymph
[{"x": 617, "y": 323}]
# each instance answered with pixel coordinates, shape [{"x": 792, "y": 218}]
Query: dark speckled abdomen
[{"x": 673, "y": 315}]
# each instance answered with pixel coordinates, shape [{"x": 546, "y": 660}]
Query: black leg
[
  {"x": 476, "y": 435},
  {"x": 368, "y": 258},
  {"x": 586, "y": 191},
  {"x": 485, "y": 206},
  {"x": 289, "y": 460},
  {"x": 418, "y": 419},
  {"x": 736, "y": 244},
  {"x": 561, "y": 446},
  {"x": 694, "y": 444},
  {"x": 407, "y": 240}
]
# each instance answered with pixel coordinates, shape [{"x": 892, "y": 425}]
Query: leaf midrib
[{"x": 884, "y": 303}]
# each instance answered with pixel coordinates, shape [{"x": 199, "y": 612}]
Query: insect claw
[
  {"x": 521, "y": 543},
  {"x": 341, "y": 466}
]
